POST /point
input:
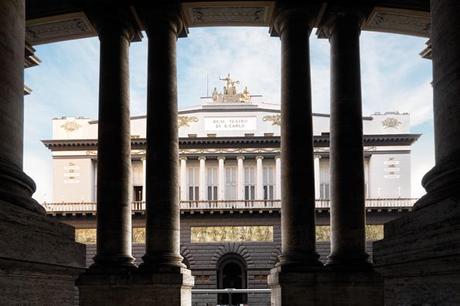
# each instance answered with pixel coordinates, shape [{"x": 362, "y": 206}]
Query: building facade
[{"x": 230, "y": 185}]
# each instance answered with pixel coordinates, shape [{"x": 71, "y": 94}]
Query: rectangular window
[
  {"x": 137, "y": 193},
  {"x": 324, "y": 192},
  {"x": 193, "y": 183},
  {"x": 269, "y": 182},
  {"x": 211, "y": 177},
  {"x": 230, "y": 183},
  {"x": 249, "y": 183}
]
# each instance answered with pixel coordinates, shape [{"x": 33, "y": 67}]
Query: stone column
[
  {"x": 144, "y": 173},
  {"x": 114, "y": 192},
  {"x": 259, "y": 178},
  {"x": 346, "y": 145},
  {"x": 221, "y": 179},
  {"x": 278, "y": 177},
  {"x": 443, "y": 180},
  {"x": 240, "y": 184},
  {"x": 183, "y": 178},
  {"x": 163, "y": 213},
  {"x": 317, "y": 175},
  {"x": 202, "y": 179},
  {"x": 297, "y": 172},
  {"x": 15, "y": 186}
]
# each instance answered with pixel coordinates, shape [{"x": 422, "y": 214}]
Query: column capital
[
  {"x": 156, "y": 15},
  {"x": 114, "y": 20},
  {"x": 240, "y": 157},
  {"x": 297, "y": 16},
  {"x": 277, "y": 157},
  {"x": 182, "y": 157},
  {"x": 220, "y": 157},
  {"x": 354, "y": 14},
  {"x": 259, "y": 157},
  {"x": 201, "y": 157}
]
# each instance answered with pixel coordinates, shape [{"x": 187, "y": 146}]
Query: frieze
[
  {"x": 59, "y": 28},
  {"x": 399, "y": 21},
  {"x": 221, "y": 13},
  {"x": 212, "y": 234}
]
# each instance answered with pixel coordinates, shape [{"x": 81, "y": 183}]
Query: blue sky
[{"x": 394, "y": 78}]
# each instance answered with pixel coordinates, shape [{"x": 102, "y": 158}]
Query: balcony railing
[{"x": 139, "y": 206}]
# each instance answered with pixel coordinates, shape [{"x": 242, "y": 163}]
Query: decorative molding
[
  {"x": 391, "y": 123},
  {"x": 71, "y": 126},
  {"x": 399, "y": 21},
  {"x": 214, "y": 234},
  {"x": 231, "y": 13},
  {"x": 275, "y": 119},
  {"x": 186, "y": 120},
  {"x": 58, "y": 28}
]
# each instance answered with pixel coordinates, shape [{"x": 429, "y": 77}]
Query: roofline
[{"x": 227, "y": 142}]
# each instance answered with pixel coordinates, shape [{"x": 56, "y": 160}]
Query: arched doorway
[{"x": 232, "y": 273}]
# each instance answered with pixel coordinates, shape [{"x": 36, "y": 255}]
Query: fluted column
[
  {"x": 114, "y": 194},
  {"x": 163, "y": 214},
  {"x": 317, "y": 177},
  {"x": 15, "y": 186},
  {"x": 144, "y": 187},
  {"x": 202, "y": 179},
  {"x": 183, "y": 178},
  {"x": 240, "y": 179},
  {"x": 259, "y": 178},
  {"x": 346, "y": 145},
  {"x": 221, "y": 178},
  {"x": 277, "y": 177},
  {"x": 443, "y": 180},
  {"x": 298, "y": 190}
]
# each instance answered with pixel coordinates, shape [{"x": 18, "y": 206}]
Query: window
[
  {"x": 324, "y": 191},
  {"x": 193, "y": 183},
  {"x": 269, "y": 182},
  {"x": 249, "y": 183},
  {"x": 137, "y": 193},
  {"x": 230, "y": 183},
  {"x": 212, "y": 183}
]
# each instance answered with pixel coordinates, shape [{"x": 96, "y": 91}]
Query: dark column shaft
[
  {"x": 114, "y": 149},
  {"x": 297, "y": 170},
  {"x": 15, "y": 186},
  {"x": 346, "y": 145},
  {"x": 443, "y": 180},
  {"x": 163, "y": 214}
]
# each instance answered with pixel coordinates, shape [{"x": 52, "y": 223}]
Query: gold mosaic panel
[
  {"x": 231, "y": 234},
  {"x": 373, "y": 232},
  {"x": 138, "y": 235},
  {"x": 88, "y": 235},
  {"x": 85, "y": 235}
]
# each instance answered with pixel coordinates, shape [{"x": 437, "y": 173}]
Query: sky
[{"x": 394, "y": 78}]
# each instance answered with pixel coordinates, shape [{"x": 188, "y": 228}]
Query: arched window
[{"x": 232, "y": 273}]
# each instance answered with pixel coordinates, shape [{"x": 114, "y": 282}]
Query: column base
[
  {"x": 39, "y": 259},
  {"x": 325, "y": 287},
  {"x": 419, "y": 256},
  {"x": 172, "y": 288}
]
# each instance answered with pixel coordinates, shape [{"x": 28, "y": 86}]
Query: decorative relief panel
[
  {"x": 88, "y": 235},
  {"x": 391, "y": 123},
  {"x": 275, "y": 119},
  {"x": 58, "y": 28},
  {"x": 373, "y": 232},
  {"x": 186, "y": 120},
  {"x": 248, "y": 13},
  {"x": 212, "y": 234},
  {"x": 399, "y": 21},
  {"x": 71, "y": 126}
]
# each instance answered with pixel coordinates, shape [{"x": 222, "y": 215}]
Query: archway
[{"x": 232, "y": 273}]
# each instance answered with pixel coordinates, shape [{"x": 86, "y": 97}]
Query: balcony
[{"x": 227, "y": 205}]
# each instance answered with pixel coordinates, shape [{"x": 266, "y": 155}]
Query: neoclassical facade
[
  {"x": 230, "y": 184},
  {"x": 417, "y": 262}
]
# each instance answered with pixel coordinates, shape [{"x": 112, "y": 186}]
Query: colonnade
[{"x": 162, "y": 167}]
